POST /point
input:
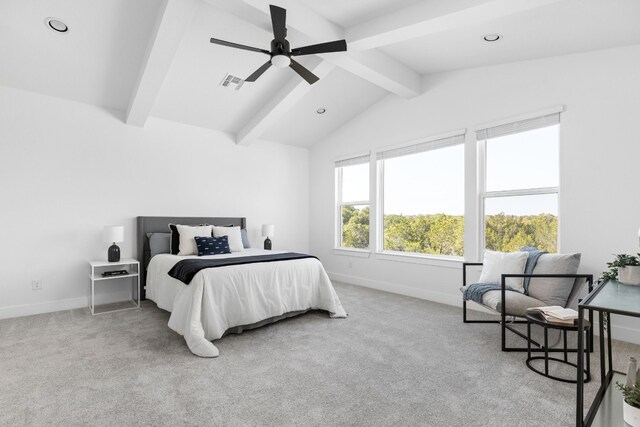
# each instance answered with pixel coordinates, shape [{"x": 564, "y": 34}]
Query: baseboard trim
[
  {"x": 43, "y": 307},
  {"x": 398, "y": 289},
  {"x": 620, "y": 333}
]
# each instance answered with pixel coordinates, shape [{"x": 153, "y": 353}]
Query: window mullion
[
  {"x": 354, "y": 203},
  {"x": 522, "y": 192},
  {"x": 482, "y": 189},
  {"x": 338, "y": 231},
  {"x": 380, "y": 207}
]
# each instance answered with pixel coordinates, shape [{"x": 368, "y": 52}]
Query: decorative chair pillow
[
  {"x": 212, "y": 245},
  {"x": 187, "y": 235},
  {"x": 496, "y": 264},
  {"x": 554, "y": 291},
  {"x": 235, "y": 237}
]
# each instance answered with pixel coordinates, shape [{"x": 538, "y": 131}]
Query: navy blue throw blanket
[
  {"x": 187, "y": 268},
  {"x": 476, "y": 291}
]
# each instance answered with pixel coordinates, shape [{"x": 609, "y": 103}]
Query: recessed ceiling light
[
  {"x": 321, "y": 110},
  {"x": 54, "y": 24},
  {"x": 492, "y": 38}
]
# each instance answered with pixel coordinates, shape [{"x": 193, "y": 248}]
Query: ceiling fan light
[{"x": 280, "y": 61}]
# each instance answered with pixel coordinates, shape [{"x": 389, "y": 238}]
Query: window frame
[
  {"x": 339, "y": 203},
  {"x": 413, "y": 257},
  {"x": 483, "y": 194}
]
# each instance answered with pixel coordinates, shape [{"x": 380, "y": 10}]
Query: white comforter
[{"x": 220, "y": 298}]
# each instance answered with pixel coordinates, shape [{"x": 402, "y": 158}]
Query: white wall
[
  {"x": 67, "y": 169},
  {"x": 600, "y": 159}
]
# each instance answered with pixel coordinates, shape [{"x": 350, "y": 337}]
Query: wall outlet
[
  {"x": 350, "y": 264},
  {"x": 36, "y": 285}
]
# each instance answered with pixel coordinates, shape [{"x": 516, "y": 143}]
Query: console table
[{"x": 609, "y": 297}]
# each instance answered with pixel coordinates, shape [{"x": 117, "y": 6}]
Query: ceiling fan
[{"x": 281, "y": 53}]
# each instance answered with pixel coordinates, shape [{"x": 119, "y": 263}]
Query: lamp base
[
  {"x": 113, "y": 254},
  {"x": 267, "y": 244}
]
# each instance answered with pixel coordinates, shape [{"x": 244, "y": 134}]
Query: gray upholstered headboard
[{"x": 160, "y": 224}]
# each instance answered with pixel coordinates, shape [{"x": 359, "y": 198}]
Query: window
[
  {"x": 519, "y": 187},
  {"x": 421, "y": 197},
  {"x": 352, "y": 202}
]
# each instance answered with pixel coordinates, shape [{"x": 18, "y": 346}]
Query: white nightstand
[{"x": 133, "y": 273}]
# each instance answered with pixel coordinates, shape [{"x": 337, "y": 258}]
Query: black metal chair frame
[{"x": 503, "y": 310}]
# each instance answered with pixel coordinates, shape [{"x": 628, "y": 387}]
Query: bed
[{"x": 232, "y": 298}]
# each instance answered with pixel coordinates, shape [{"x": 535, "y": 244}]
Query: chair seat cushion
[{"x": 517, "y": 303}]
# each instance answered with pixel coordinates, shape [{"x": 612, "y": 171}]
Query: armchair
[{"x": 512, "y": 306}]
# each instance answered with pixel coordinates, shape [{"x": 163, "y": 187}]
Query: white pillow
[
  {"x": 496, "y": 264},
  {"x": 187, "y": 237},
  {"x": 235, "y": 237}
]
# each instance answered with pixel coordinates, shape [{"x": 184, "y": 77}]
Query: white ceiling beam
[
  {"x": 282, "y": 102},
  {"x": 170, "y": 26},
  {"x": 375, "y": 67},
  {"x": 381, "y": 70},
  {"x": 432, "y": 17}
]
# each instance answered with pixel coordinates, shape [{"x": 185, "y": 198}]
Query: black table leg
[
  {"x": 580, "y": 376},
  {"x": 546, "y": 351},
  {"x": 589, "y": 343},
  {"x": 528, "y": 340}
]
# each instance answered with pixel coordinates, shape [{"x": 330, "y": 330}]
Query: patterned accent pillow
[{"x": 212, "y": 245}]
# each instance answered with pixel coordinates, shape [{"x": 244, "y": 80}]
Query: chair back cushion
[
  {"x": 580, "y": 289},
  {"x": 554, "y": 291}
]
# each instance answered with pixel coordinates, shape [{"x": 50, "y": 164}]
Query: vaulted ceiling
[{"x": 152, "y": 58}]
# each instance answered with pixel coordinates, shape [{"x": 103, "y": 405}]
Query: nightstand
[{"x": 97, "y": 277}]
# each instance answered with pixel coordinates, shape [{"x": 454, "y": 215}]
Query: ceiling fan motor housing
[{"x": 280, "y": 47}]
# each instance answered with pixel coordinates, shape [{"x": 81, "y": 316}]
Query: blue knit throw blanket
[{"x": 476, "y": 291}]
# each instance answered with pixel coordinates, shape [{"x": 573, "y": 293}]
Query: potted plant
[
  {"x": 631, "y": 404},
  {"x": 624, "y": 268}
]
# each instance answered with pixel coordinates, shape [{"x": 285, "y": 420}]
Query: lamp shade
[
  {"x": 268, "y": 230},
  {"x": 113, "y": 233}
]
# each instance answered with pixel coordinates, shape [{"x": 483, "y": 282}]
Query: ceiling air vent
[{"x": 232, "y": 82}]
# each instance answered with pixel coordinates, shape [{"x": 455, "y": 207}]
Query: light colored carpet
[{"x": 395, "y": 361}]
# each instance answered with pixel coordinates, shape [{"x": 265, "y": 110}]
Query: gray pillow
[
  {"x": 245, "y": 238},
  {"x": 554, "y": 291},
  {"x": 159, "y": 243}
]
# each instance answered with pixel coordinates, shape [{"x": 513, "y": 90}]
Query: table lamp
[
  {"x": 268, "y": 230},
  {"x": 113, "y": 234}
]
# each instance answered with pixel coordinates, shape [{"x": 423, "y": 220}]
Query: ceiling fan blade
[
  {"x": 238, "y": 46},
  {"x": 279, "y": 22},
  {"x": 257, "y": 73},
  {"x": 303, "y": 72},
  {"x": 328, "y": 47}
]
